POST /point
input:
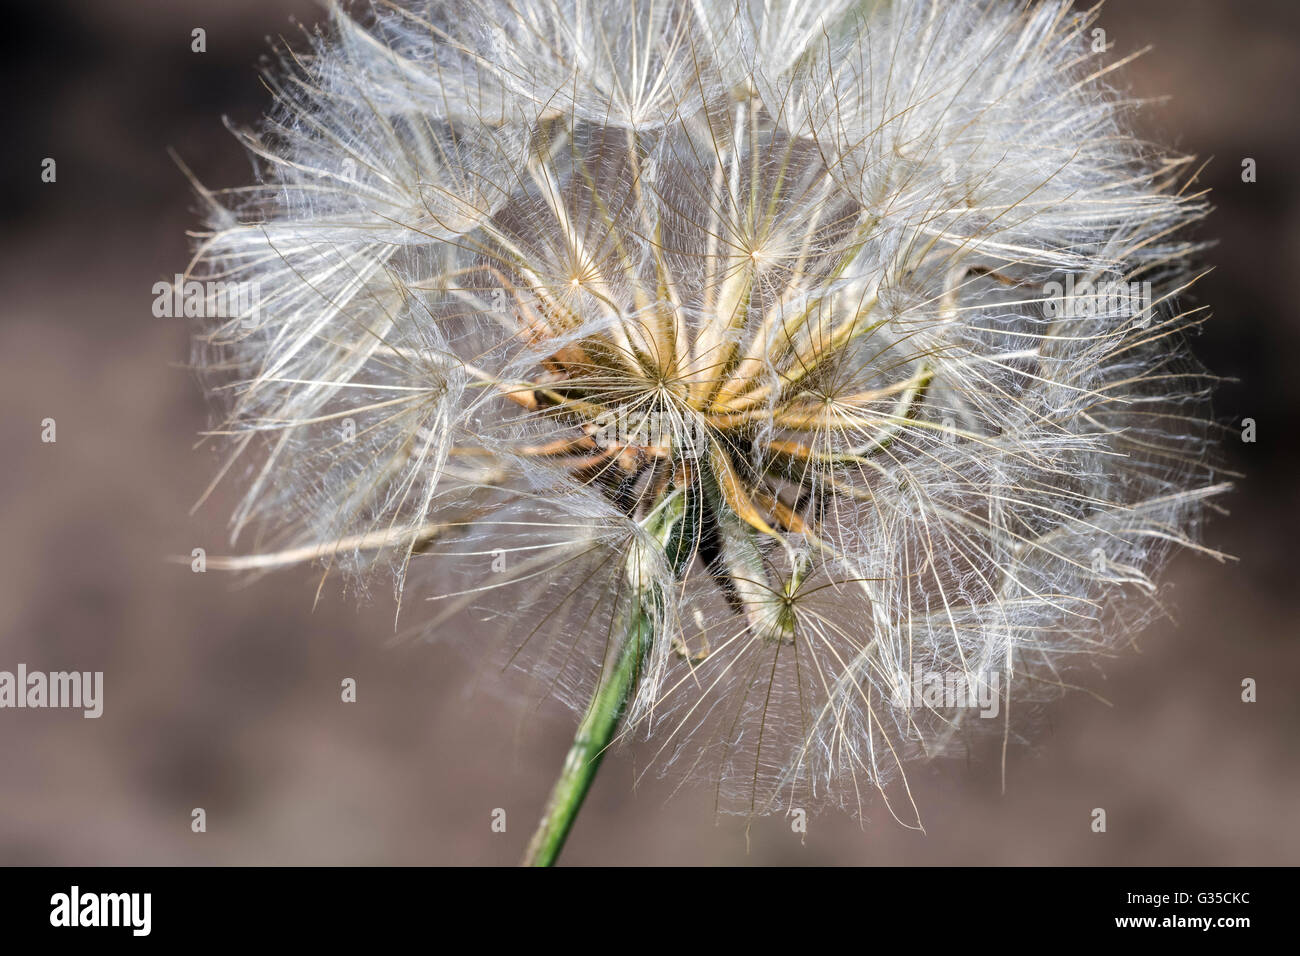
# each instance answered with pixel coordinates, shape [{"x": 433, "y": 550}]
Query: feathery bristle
[{"x": 842, "y": 340}]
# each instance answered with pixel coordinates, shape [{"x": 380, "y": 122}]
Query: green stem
[{"x": 589, "y": 744}]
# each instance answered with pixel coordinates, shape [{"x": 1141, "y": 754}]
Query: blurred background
[{"x": 226, "y": 696}]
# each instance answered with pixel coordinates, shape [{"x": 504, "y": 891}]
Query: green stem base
[{"x": 589, "y": 745}]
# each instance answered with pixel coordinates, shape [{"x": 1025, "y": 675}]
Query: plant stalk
[{"x": 593, "y": 737}]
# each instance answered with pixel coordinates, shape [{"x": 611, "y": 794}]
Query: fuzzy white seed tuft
[{"x": 789, "y": 326}]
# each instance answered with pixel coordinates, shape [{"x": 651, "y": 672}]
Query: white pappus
[{"x": 724, "y": 324}]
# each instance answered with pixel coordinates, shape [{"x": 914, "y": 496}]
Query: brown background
[{"x": 227, "y": 697}]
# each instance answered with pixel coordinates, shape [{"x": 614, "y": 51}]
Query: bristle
[{"x": 844, "y": 342}]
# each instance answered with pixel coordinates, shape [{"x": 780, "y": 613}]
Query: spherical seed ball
[{"x": 735, "y": 317}]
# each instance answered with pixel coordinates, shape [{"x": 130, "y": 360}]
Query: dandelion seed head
[{"x": 733, "y": 315}]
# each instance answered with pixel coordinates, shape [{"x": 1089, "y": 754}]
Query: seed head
[{"x": 795, "y": 326}]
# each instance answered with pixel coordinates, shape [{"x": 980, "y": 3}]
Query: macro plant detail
[{"x": 708, "y": 344}]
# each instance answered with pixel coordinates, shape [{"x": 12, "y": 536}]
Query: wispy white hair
[{"x": 814, "y": 243}]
